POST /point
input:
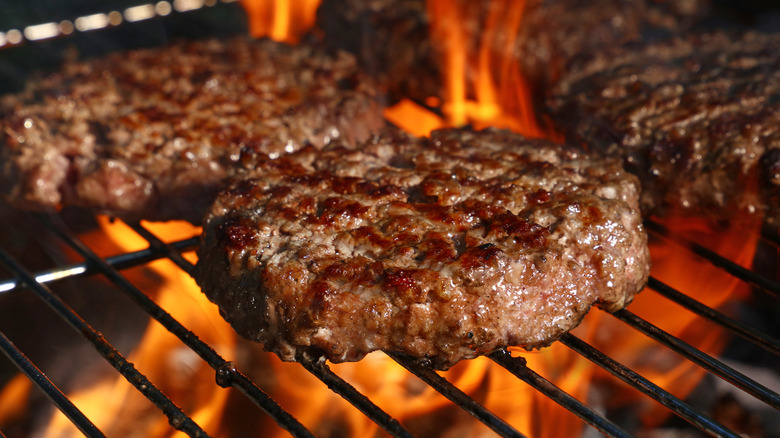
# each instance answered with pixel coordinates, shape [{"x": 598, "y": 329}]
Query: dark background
[{"x": 18, "y": 62}]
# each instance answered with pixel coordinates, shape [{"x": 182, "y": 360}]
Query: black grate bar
[
  {"x": 176, "y": 417},
  {"x": 679, "y": 407},
  {"x": 164, "y": 248},
  {"x": 518, "y": 367},
  {"x": 47, "y": 386},
  {"x": 321, "y": 370},
  {"x": 702, "y": 359},
  {"x": 771, "y": 234},
  {"x": 228, "y": 375},
  {"x": 245, "y": 385},
  {"x": 445, "y": 388},
  {"x": 749, "y": 333},
  {"x": 752, "y": 278},
  {"x": 120, "y": 262}
]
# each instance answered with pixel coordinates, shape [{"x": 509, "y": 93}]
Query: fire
[
  {"x": 184, "y": 377},
  {"x": 176, "y": 369},
  {"x": 484, "y": 87},
  {"x": 698, "y": 278},
  {"x": 482, "y": 80},
  {"x": 280, "y": 20}
]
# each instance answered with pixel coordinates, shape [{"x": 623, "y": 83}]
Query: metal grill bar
[
  {"x": 517, "y": 366},
  {"x": 347, "y": 391},
  {"x": 53, "y": 393},
  {"x": 767, "y": 342},
  {"x": 176, "y": 417},
  {"x": 702, "y": 359},
  {"x": 750, "y": 277},
  {"x": 238, "y": 380},
  {"x": 445, "y": 388},
  {"x": 228, "y": 376},
  {"x": 103, "y": 19},
  {"x": 119, "y": 262},
  {"x": 629, "y": 376},
  {"x": 771, "y": 235},
  {"x": 321, "y": 370},
  {"x": 317, "y": 368},
  {"x": 162, "y": 247}
]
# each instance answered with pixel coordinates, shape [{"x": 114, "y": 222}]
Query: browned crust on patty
[
  {"x": 443, "y": 248},
  {"x": 151, "y": 133},
  {"x": 696, "y": 117}
]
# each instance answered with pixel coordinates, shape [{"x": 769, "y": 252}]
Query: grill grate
[
  {"x": 43, "y": 283},
  {"x": 228, "y": 376}
]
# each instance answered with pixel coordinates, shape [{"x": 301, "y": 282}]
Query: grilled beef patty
[
  {"x": 151, "y": 133},
  {"x": 390, "y": 39},
  {"x": 443, "y": 248},
  {"x": 695, "y": 117}
]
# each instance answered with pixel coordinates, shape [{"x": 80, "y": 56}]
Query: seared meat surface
[
  {"x": 390, "y": 39},
  {"x": 152, "y": 133},
  {"x": 695, "y": 117},
  {"x": 443, "y": 248}
]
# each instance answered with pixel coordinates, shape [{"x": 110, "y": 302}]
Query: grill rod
[
  {"x": 517, "y": 366},
  {"x": 460, "y": 398},
  {"x": 119, "y": 262},
  {"x": 634, "y": 379},
  {"x": 748, "y": 333},
  {"x": 53, "y": 393},
  {"x": 661, "y": 397},
  {"x": 233, "y": 378},
  {"x": 754, "y": 279},
  {"x": 319, "y": 370},
  {"x": 702, "y": 359},
  {"x": 176, "y": 417}
]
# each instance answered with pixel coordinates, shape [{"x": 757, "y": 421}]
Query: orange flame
[
  {"x": 168, "y": 363},
  {"x": 694, "y": 276},
  {"x": 184, "y": 377},
  {"x": 485, "y": 87},
  {"x": 280, "y": 20},
  {"x": 483, "y": 84}
]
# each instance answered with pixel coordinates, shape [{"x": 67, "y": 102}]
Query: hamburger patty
[
  {"x": 442, "y": 248},
  {"x": 695, "y": 117},
  {"x": 151, "y": 133}
]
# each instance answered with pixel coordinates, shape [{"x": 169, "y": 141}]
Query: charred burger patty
[
  {"x": 696, "y": 117},
  {"x": 151, "y": 133},
  {"x": 443, "y": 248}
]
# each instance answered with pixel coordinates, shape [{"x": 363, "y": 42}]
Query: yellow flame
[
  {"x": 173, "y": 367},
  {"x": 482, "y": 79},
  {"x": 413, "y": 118},
  {"x": 281, "y": 20},
  {"x": 13, "y": 399}
]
